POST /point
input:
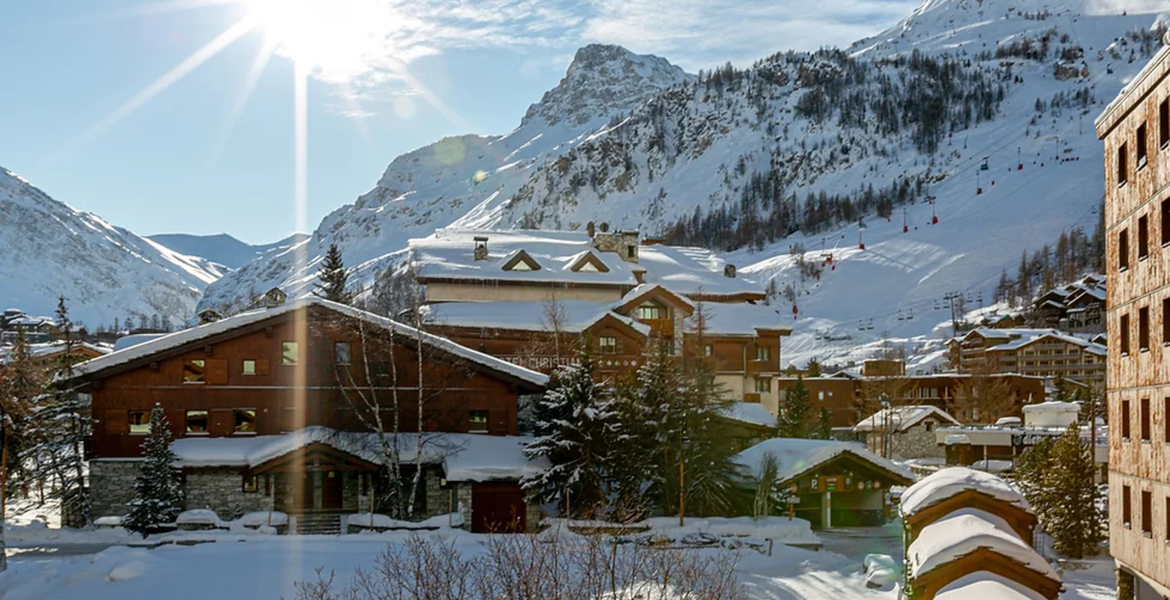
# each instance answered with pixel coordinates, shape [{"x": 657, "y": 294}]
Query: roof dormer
[
  {"x": 520, "y": 261},
  {"x": 588, "y": 262}
]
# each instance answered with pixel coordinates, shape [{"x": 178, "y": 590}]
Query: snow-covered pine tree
[
  {"x": 332, "y": 278},
  {"x": 793, "y": 421},
  {"x": 158, "y": 500},
  {"x": 22, "y": 381},
  {"x": 1075, "y": 521},
  {"x": 576, "y": 429},
  {"x": 824, "y": 425},
  {"x": 654, "y": 417}
]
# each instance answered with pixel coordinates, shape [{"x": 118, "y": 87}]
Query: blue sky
[{"x": 388, "y": 76}]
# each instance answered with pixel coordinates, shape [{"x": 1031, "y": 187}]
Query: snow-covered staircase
[{"x": 318, "y": 524}]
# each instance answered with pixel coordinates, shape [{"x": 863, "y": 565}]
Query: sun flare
[{"x": 337, "y": 39}]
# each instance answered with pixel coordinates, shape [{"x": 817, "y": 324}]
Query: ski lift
[
  {"x": 860, "y": 325},
  {"x": 985, "y": 166},
  {"x": 900, "y": 318},
  {"x": 905, "y": 228},
  {"x": 870, "y": 325},
  {"x": 910, "y": 315}
]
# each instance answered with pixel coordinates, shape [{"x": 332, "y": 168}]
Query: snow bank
[
  {"x": 108, "y": 522},
  {"x": 381, "y": 522},
  {"x": 199, "y": 516},
  {"x": 958, "y": 535},
  {"x": 257, "y": 519},
  {"x": 953, "y": 481},
  {"x": 982, "y": 585},
  {"x": 779, "y": 529}
]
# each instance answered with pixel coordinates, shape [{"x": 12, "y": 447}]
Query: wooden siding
[
  {"x": 1138, "y": 374},
  {"x": 451, "y": 390}
]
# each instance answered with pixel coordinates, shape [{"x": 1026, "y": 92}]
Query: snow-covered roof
[
  {"x": 798, "y": 456},
  {"x": 465, "y": 456},
  {"x": 742, "y": 319},
  {"x": 957, "y": 535},
  {"x": 134, "y": 339},
  {"x": 983, "y": 585},
  {"x": 450, "y": 254},
  {"x": 1053, "y": 406},
  {"x": 200, "y": 332},
  {"x": 952, "y": 481},
  {"x": 1149, "y": 69},
  {"x": 750, "y": 412},
  {"x": 902, "y": 418}
]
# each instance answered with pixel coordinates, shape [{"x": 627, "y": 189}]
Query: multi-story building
[
  {"x": 277, "y": 409},
  {"x": 1135, "y": 128},
  {"x": 534, "y": 297},
  {"x": 1045, "y": 353}
]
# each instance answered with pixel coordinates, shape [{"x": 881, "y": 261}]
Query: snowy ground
[{"x": 266, "y": 567}]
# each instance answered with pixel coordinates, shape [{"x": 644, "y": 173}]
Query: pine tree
[
  {"x": 794, "y": 411},
  {"x": 1057, "y": 478},
  {"x": 824, "y": 425},
  {"x": 652, "y": 423},
  {"x": 814, "y": 368},
  {"x": 158, "y": 498},
  {"x": 576, "y": 429},
  {"x": 333, "y": 278}
]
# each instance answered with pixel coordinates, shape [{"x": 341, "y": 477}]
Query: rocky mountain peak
[{"x": 604, "y": 80}]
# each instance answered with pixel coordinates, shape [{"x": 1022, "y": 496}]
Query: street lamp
[{"x": 884, "y": 401}]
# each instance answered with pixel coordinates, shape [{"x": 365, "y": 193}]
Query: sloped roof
[
  {"x": 188, "y": 336},
  {"x": 578, "y": 315},
  {"x": 464, "y": 456},
  {"x": 798, "y": 456},
  {"x": 957, "y": 535},
  {"x": 903, "y": 417},
  {"x": 752, "y": 413},
  {"x": 982, "y": 585},
  {"x": 952, "y": 481}
]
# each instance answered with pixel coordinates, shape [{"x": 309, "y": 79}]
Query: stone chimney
[
  {"x": 274, "y": 297},
  {"x": 208, "y": 316},
  {"x": 591, "y": 229},
  {"x": 624, "y": 243},
  {"x": 481, "y": 251},
  {"x": 729, "y": 270}
]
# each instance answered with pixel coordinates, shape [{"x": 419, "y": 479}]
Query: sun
[{"x": 337, "y": 39}]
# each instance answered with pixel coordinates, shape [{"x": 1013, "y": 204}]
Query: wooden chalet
[
  {"x": 956, "y": 488},
  {"x": 273, "y": 409},
  {"x": 839, "y": 484}
]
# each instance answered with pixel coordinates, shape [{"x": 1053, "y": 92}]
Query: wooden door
[
  {"x": 497, "y": 508},
  {"x": 331, "y": 490},
  {"x": 303, "y": 490}
]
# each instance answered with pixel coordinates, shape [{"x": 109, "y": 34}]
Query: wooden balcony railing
[
  {"x": 660, "y": 327},
  {"x": 753, "y": 397}
]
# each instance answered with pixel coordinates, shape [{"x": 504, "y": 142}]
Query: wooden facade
[
  {"x": 1135, "y": 129},
  {"x": 1021, "y": 521}
]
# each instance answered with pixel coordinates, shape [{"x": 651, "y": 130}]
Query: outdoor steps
[{"x": 318, "y": 524}]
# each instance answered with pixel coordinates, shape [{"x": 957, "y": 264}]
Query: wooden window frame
[
  {"x": 296, "y": 348},
  {"x": 1123, "y": 329},
  {"x": 1144, "y": 424},
  {"x": 1123, "y": 250},
  {"x": 337, "y": 346},
  {"x": 471, "y": 414},
  {"x": 1164, "y": 123},
  {"x": 187, "y": 422},
  {"x": 763, "y": 353},
  {"x": 1144, "y": 329},
  {"x": 202, "y": 364},
  {"x": 1125, "y": 420},
  {"x": 1143, "y": 238},
  {"x": 250, "y": 478},
  {"x": 1126, "y": 507},
  {"x": 605, "y": 348},
  {"x": 1142, "y": 146},
  {"x": 244, "y": 367},
  {"x": 1122, "y": 160},
  {"x": 1147, "y": 508},
  {"x": 130, "y": 422},
  {"x": 235, "y": 426},
  {"x": 763, "y": 385}
]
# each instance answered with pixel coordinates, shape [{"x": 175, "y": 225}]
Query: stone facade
[
  {"x": 223, "y": 492},
  {"x": 915, "y": 442},
  {"x": 111, "y": 486}
]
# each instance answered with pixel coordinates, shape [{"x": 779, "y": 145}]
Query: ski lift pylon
[{"x": 985, "y": 166}]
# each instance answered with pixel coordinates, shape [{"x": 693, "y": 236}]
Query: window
[
  {"x": 763, "y": 386},
  {"x": 1122, "y": 167},
  {"x": 763, "y": 353},
  {"x": 631, "y": 251},
  {"x": 251, "y": 483},
  {"x": 1165, "y": 222},
  {"x": 1142, "y": 149},
  {"x": 1123, "y": 250},
  {"x": 651, "y": 311},
  {"x": 139, "y": 422},
  {"x": 1125, "y": 419},
  {"x": 341, "y": 353},
  {"x": 477, "y": 420},
  {"x": 1124, "y": 331},
  {"x": 1164, "y": 122},
  {"x": 1166, "y": 423},
  {"x": 249, "y": 367},
  {"x": 1143, "y": 238},
  {"x": 1147, "y": 513},
  {"x": 608, "y": 344},
  {"x": 930, "y": 425},
  {"x": 245, "y": 421},
  {"x": 1144, "y": 408},
  {"x": 288, "y": 353},
  {"x": 193, "y": 371},
  {"x": 196, "y": 422},
  {"x": 707, "y": 348},
  {"x": 1144, "y": 329},
  {"x": 1126, "y": 507}
]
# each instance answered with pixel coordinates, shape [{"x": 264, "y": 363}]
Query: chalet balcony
[
  {"x": 755, "y": 367},
  {"x": 660, "y": 327},
  {"x": 753, "y": 397}
]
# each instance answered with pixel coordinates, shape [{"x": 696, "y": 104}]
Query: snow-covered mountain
[
  {"x": 794, "y": 150},
  {"x": 223, "y": 249},
  {"x": 104, "y": 272}
]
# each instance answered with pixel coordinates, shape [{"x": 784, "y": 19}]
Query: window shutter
[
  {"x": 178, "y": 419},
  {"x": 261, "y": 366},
  {"x": 498, "y": 422},
  {"x": 222, "y": 421},
  {"x": 116, "y": 422},
  {"x": 216, "y": 371}
]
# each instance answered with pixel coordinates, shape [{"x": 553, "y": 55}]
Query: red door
[{"x": 497, "y": 508}]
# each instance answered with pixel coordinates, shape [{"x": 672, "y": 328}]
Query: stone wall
[
  {"x": 223, "y": 492},
  {"x": 111, "y": 486},
  {"x": 915, "y": 442}
]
